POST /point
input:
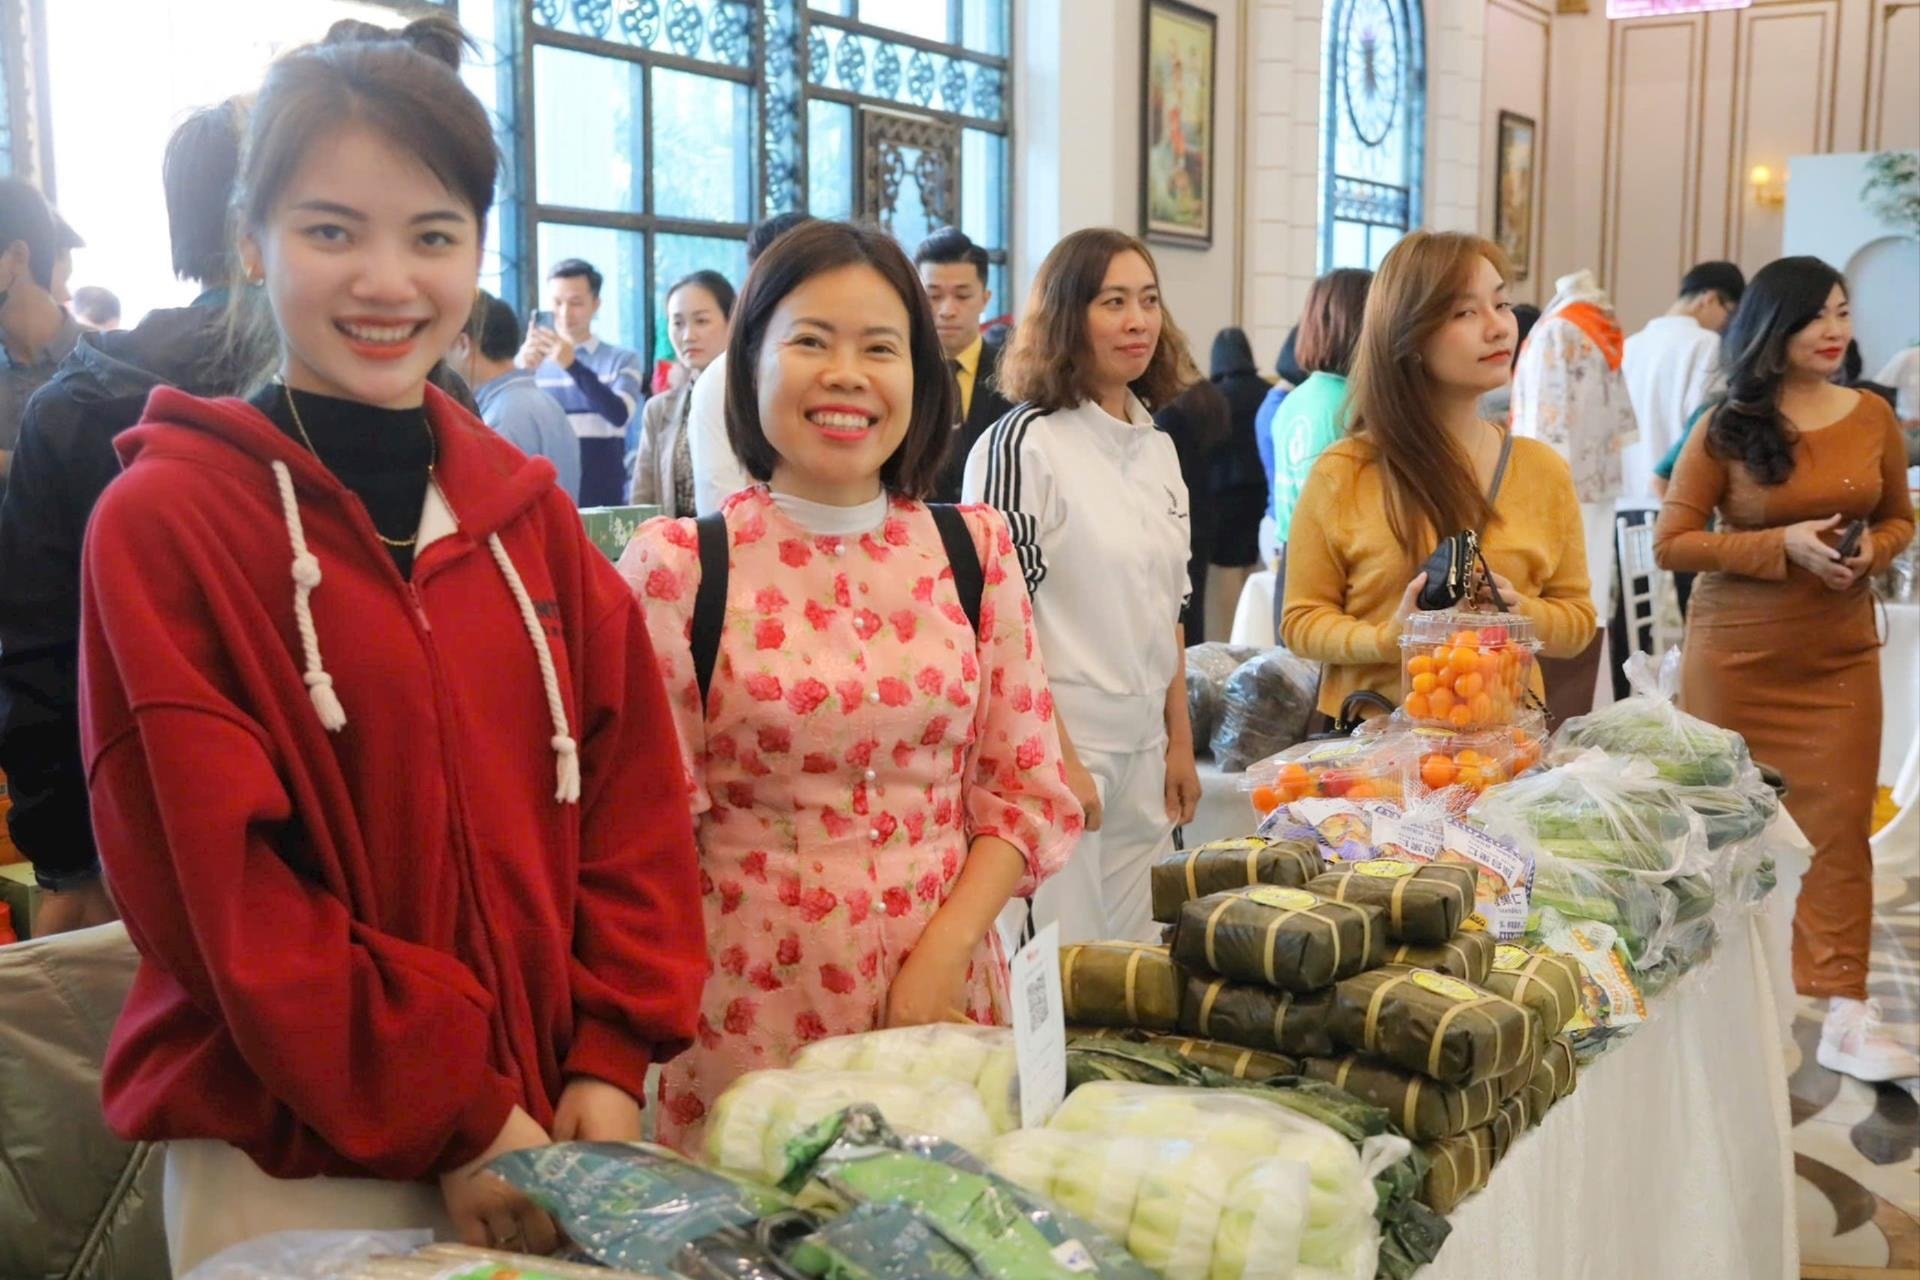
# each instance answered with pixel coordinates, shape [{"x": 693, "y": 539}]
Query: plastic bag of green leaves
[
  {"x": 921, "y": 1207},
  {"x": 1603, "y": 810},
  {"x": 1649, "y": 726},
  {"x": 635, "y": 1205}
]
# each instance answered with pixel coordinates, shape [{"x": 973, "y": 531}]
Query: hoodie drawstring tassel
[
  {"x": 306, "y": 576},
  {"x": 565, "y": 750}
]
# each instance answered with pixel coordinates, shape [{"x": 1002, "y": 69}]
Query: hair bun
[{"x": 436, "y": 36}]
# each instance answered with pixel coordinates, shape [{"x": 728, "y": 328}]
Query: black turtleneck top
[{"x": 380, "y": 455}]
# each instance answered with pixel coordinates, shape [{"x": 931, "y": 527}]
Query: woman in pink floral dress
[{"x": 873, "y": 780}]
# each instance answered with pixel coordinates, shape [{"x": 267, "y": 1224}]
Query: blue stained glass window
[
  {"x": 829, "y": 159},
  {"x": 1372, "y": 130},
  {"x": 700, "y": 168},
  {"x": 591, "y": 154}
]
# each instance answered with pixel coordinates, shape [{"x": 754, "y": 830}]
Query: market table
[{"x": 1674, "y": 1157}]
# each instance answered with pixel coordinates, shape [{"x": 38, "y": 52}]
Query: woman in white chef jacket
[{"x": 1093, "y": 497}]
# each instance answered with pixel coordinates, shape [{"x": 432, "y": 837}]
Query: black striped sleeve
[{"x": 1017, "y": 494}]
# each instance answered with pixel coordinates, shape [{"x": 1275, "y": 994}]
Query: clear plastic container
[
  {"x": 1462, "y": 669},
  {"x": 1357, "y": 768}
]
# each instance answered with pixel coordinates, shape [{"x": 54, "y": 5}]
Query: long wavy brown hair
[
  {"x": 1429, "y": 482},
  {"x": 1046, "y": 363}
]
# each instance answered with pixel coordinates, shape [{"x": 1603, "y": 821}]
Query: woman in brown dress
[{"x": 1781, "y": 643}]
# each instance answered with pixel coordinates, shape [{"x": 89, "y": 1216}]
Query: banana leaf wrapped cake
[
  {"x": 1254, "y": 1017},
  {"x": 1553, "y": 1078},
  {"x": 1120, "y": 984},
  {"x": 1441, "y": 1027},
  {"x": 1230, "y": 864},
  {"x": 1456, "y": 1168},
  {"x": 1467, "y": 955},
  {"x": 1290, "y": 938},
  {"x": 1423, "y": 902},
  {"x": 1544, "y": 981},
  {"x": 1421, "y": 1108}
]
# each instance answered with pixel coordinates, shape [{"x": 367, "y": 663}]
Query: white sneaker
[{"x": 1855, "y": 1043}]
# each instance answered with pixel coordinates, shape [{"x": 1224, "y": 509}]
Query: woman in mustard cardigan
[{"x": 1417, "y": 464}]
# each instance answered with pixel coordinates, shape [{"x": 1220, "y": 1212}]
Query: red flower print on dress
[
  {"x": 923, "y": 590},
  {"x": 902, "y": 755},
  {"x": 930, "y": 681},
  {"x": 1043, "y": 706},
  {"x": 958, "y": 616},
  {"x": 842, "y": 595},
  {"x": 682, "y": 534},
  {"x": 870, "y": 965},
  {"x": 993, "y": 575},
  {"x": 664, "y": 584},
  {"x": 740, "y": 795},
  {"x": 740, "y": 1016},
  {"x": 789, "y": 891},
  {"x": 895, "y": 532},
  {"x": 761, "y": 976},
  {"x": 899, "y": 901},
  {"x": 769, "y": 633},
  {"x": 886, "y": 824},
  {"x": 687, "y": 1109},
  {"x": 788, "y": 952},
  {"x": 989, "y": 618},
  {"x": 860, "y": 754},
  {"x": 859, "y": 904},
  {"x": 894, "y": 692},
  {"x": 943, "y": 813},
  {"x": 733, "y": 960},
  {"x": 751, "y": 530},
  {"x": 706, "y": 884},
  {"x": 838, "y": 825},
  {"x": 957, "y": 694},
  {"x": 1003, "y": 544},
  {"x": 752, "y": 765},
  {"x": 708, "y": 1033},
  {"x": 949, "y": 864},
  {"x": 776, "y": 739},
  {"x": 763, "y": 688},
  {"x": 817, "y": 904},
  {"x": 1022, "y": 700},
  {"x": 904, "y": 624},
  {"x": 805, "y": 698},
  {"x": 731, "y": 892},
  {"x": 850, "y": 691},
  {"x": 929, "y": 887},
  {"x": 769, "y": 601},
  {"x": 818, "y": 615},
  {"x": 935, "y": 732},
  {"x": 969, "y": 666},
  {"x": 794, "y": 553},
  {"x": 819, "y": 762},
  {"x": 754, "y": 866},
  {"x": 808, "y": 1027},
  {"x": 866, "y": 624},
  {"x": 876, "y": 552},
  {"x": 916, "y": 823},
  {"x": 837, "y": 980},
  {"x": 1030, "y": 753},
  {"x": 860, "y": 800}
]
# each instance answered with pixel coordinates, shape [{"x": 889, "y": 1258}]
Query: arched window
[{"x": 1373, "y": 128}]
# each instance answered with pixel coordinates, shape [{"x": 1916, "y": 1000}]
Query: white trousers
[
  {"x": 1102, "y": 892},
  {"x": 214, "y": 1196}
]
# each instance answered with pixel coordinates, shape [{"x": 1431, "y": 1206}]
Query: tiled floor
[{"x": 1857, "y": 1146}]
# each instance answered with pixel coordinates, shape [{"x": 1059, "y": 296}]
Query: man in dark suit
[{"x": 954, "y": 271}]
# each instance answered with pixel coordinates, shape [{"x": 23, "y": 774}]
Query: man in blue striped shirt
[{"x": 600, "y": 386}]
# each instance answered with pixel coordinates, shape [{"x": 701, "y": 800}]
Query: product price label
[{"x": 1039, "y": 1028}]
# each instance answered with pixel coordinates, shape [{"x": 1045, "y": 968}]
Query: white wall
[
  {"x": 1077, "y": 140},
  {"x": 1824, "y": 217}
]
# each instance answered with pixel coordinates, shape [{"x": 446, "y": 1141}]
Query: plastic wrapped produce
[
  {"x": 1266, "y": 706},
  {"x": 753, "y": 1124},
  {"x": 1603, "y": 810},
  {"x": 922, "y": 1207},
  {"x": 1257, "y": 1017},
  {"x": 1421, "y": 1108},
  {"x": 1650, "y": 726},
  {"x": 1263, "y": 1223},
  {"x": 1467, "y": 955},
  {"x": 1421, "y": 902},
  {"x": 1437, "y": 1026},
  {"x": 980, "y": 1056},
  {"x": 1288, "y": 938},
  {"x": 1546, "y": 983},
  {"x": 1357, "y": 768},
  {"x": 1208, "y": 668},
  {"x": 1639, "y": 912},
  {"x": 1466, "y": 669},
  {"x": 1121, "y": 984},
  {"x": 1229, "y": 864}
]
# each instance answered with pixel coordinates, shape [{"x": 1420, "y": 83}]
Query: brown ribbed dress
[{"x": 1791, "y": 665}]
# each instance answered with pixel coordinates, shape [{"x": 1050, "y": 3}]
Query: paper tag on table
[{"x": 1039, "y": 1028}]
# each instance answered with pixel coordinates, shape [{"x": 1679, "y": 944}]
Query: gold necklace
[{"x": 433, "y": 445}]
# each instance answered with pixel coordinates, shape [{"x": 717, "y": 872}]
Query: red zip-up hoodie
[{"x": 362, "y": 945}]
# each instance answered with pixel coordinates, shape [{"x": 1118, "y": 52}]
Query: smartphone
[
  {"x": 543, "y": 319},
  {"x": 1850, "y": 541}
]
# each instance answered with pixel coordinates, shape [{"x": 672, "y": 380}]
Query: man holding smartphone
[{"x": 599, "y": 385}]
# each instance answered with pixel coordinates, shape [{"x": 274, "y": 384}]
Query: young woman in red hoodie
[{"x": 385, "y": 782}]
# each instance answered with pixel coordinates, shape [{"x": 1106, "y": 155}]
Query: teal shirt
[
  {"x": 1311, "y": 418},
  {"x": 1664, "y": 467}
]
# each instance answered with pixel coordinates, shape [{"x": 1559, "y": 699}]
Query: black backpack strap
[
  {"x": 710, "y": 601},
  {"x": 963, "y": 556}
]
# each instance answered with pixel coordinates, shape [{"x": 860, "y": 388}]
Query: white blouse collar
[{"x": 825, "y": 521}]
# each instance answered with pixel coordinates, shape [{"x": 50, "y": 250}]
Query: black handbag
[{"x": 1451, "y": 567}]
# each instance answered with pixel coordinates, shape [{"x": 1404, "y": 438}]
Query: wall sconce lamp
[{"x": 1769, "y": 189}]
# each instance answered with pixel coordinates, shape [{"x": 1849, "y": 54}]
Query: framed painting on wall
[
  {"x": 1513, "y": 192},
  {"x": 1176, "y": 123}
]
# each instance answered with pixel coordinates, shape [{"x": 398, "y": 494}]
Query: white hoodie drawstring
[
  {"x": 566, "y": 752},
  {"x": 306, "y": 576},
  {"x": 333, "y": 717}
]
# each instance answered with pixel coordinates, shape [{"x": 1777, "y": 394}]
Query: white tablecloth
[{"x": 1674, "y": 1155}]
